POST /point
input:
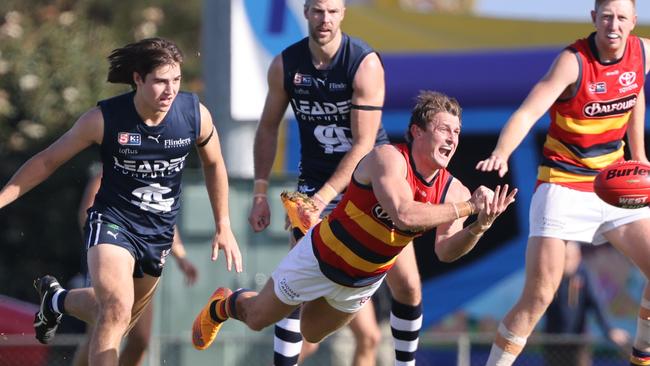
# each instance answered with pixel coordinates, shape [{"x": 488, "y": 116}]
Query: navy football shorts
[{"x": 149, "y": 251}]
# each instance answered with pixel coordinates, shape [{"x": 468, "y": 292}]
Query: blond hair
[{"x": 427, "y": 104}]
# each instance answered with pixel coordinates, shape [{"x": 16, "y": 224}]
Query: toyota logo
[{"x": 627, "y": 78}]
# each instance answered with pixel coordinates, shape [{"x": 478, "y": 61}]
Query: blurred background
[{"x": 486, "y": 53}]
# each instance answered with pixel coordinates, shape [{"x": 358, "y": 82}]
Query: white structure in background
[
  {"x": 237, "y": 50},
  {"x": 250, "y": 61}
]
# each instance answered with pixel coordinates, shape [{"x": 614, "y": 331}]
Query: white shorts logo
[
  {"x": 163, "y": 256},
  {"x": 287, "y": 290}
]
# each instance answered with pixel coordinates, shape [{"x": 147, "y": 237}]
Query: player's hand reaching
[
  {"x": 494, "y": 205},
  {"x": 189, "y": 270},
  {"x": 494, "y": 163},
  {"x": 225, "y": 240},
  {"x": 480, "y": 196}
]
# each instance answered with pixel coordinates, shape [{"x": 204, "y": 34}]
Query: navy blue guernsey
[
  {"x": 321, "y": 102},
  {"x": 143, "y": 165}
]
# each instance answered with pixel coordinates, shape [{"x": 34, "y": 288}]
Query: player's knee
[
  {"x": 255, "y": 325},
  {"x": 115, "y": 314},
  {"x": 368, "y": 340},
  {"x": 312, "y": 337},
  {"x": 540, "y": 298},
  {"x": 409, "y": 293}
]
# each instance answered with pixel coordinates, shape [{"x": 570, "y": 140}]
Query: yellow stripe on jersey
[
  {"x": 553, "y": 175},
  {"x": 591, "y": 126},
  {"x": 596, "y": 162},
  {"x": 377, "y": 230},
  {"x": 353, "y": 260}
]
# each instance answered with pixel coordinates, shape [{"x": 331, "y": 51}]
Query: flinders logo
[
  {"x": 172, "y": 143},
  {"x": 337, "y": 86}
]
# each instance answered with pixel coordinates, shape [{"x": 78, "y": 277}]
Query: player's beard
[{"x": 315, "y": 35}]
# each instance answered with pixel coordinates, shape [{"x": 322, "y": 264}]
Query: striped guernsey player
[
  {"x": 396, "y": 193},
  {"x": 334, "y": 84},
  {"x": 594, "y": 95}
]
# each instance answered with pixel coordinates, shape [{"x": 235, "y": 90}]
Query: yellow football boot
[{"x": 204, "y": 329}]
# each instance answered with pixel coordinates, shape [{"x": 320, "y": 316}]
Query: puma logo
[
  {"x": 154, "y": 138},
  {"x": 114, "y": 235}
]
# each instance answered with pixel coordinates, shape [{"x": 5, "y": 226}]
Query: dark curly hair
[{"x": 142, "y": 57}]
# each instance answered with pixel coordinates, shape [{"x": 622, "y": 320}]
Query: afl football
[{"x": 625, "y": 184}]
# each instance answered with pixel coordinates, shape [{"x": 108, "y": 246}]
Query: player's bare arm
[
  {"x": 275, "y": 105},
  {"x": 216, "y": 182},
  {"x": 385, "y": 169},
  {"x": 457, "y": 192},
  {"x": 368, "y": 97},
  {"x": 88, "y": 198},
  {"x": 560, "y": 77},
  {"x": 266, "y": 141},
  {"x": 636, "y": 125},
  {"x": 646, "y": 47},
  {"x": 88, "y": 129},
  {"x": 636, "y": 130},
  {"x": 180, "y": 255},
  {"x": 452, "y": 240}
]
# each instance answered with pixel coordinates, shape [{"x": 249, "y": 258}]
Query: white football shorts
[
  {"x": 298, "y": 279},
  {"x": 561, "y": 212}
]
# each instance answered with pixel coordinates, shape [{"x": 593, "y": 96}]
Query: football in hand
[{"x": 624, "y": 184}]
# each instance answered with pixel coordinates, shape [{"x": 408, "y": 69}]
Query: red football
[{"x": 625, "y": 184}]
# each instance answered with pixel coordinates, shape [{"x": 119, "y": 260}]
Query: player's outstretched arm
[
  {"x": 636, "y": 125},
  {"x": 562, "y": 74},
  {"x": 636, "y": 130},
  {"x": 216, "y": 182},
  {"x": 266, "y": 141},
  {"x": 452, "y": 240},
  {"x": 384, "y": 168},
  {"x": 87, "y": 130}
]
